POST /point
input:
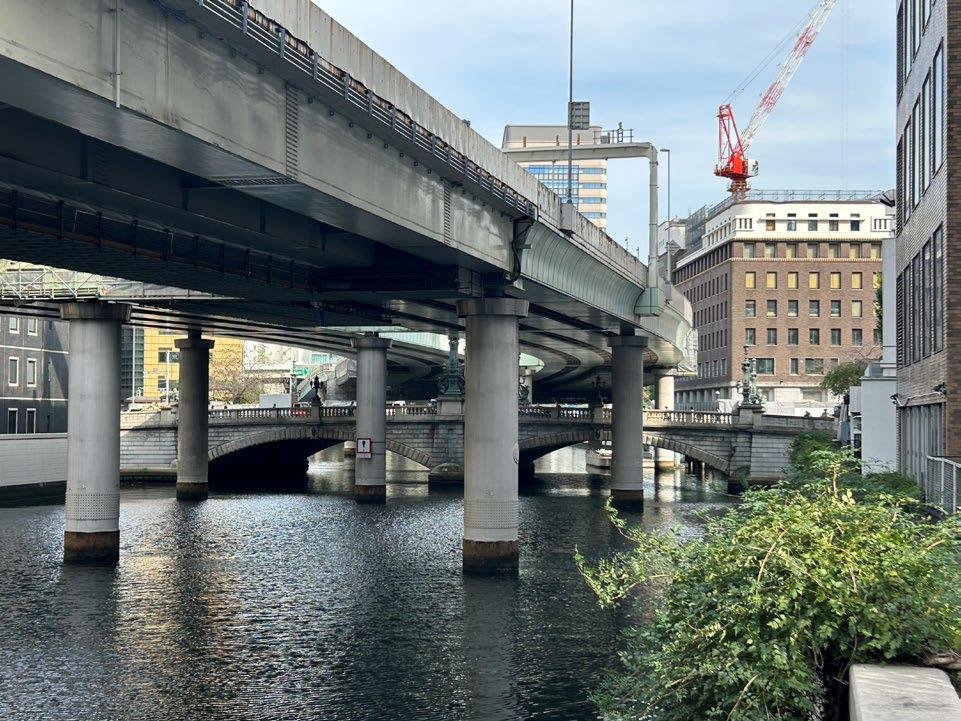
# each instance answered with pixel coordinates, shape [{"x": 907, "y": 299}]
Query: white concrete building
[
  {"x": 873, "y": 413},
  {"x": 589, "y": 177}
]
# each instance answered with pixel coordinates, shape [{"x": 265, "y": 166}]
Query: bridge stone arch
[
  {"x": 671, "y": 443},
  {"x": 534, "y": 447},
  {"x": 308, "y": 440}
]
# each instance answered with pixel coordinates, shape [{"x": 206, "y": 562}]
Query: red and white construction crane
[{"x": 733, "y": 162}]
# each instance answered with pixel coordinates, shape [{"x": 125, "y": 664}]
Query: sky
[{"x": 661, "y": 68}]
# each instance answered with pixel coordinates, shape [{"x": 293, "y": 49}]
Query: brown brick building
[
  {"x": 790, "y": 283},
  {"x": 929, "y": 311}
]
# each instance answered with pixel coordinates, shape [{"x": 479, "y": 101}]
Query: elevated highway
[
  {"x": 261, "y": 152},
  {"x": 262, "y": 157}
]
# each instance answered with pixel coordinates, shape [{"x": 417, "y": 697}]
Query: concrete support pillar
[
  {"x": 92, "y": 529},
  {"x": 192, "y": 416},
  {"x": 627, "y": 421},
  {"x": 491, "y": 449},
  {"x": 370, "y": 473},
  {"x": 664, "y": 401}
]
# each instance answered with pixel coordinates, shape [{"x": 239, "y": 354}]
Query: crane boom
[
  {"x": 733, "y": 162},
  {"x": 787, "y": 70}
]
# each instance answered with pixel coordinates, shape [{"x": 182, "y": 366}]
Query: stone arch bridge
[{"x": 746, "y": 445}]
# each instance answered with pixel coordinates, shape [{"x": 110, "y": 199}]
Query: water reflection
[{"x": 307, "y": 605}]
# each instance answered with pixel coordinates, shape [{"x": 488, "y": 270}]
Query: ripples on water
[{"x": 307, "y": 605}]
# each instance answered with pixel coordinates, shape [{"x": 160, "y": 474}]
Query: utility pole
[{"x": 570, "y": 120}]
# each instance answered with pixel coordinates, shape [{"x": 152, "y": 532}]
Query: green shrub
[
  {"x": 761, "y": 617},
  {"x": 806, "y": 443}
]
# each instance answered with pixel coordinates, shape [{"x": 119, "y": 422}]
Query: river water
[{"x": 309, "y": 606}]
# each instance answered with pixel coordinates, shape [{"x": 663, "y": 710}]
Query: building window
[
  {"x": 750, "y": 279},
  {"x": 765, "y": 366},
  {"x": 790, "y": 250},
  {"x": 770, "y": 250},
  {"x": 750, "y": 308},
  {"x": 833, "y": 225},
  {"x": 769, "y": 222},
  {"x": 792, "y": 279},
  {"x": 857, "y": 309},
  {"x": 855, "y": 225},
  {"x": 750, "y": 250},
  {"x": 835, "y": 281},
  {"x": 11, "y": 420},
  {"x": 857, "y": 281},
  {"x": 937, "y": 300},
  {"x": 13, "y": 371},
  {"x": 857, "y": 336},
  {"x": 13, "y": 324},
  {"x": 32, "y": 326},
  {"x": 814, "y": 280},
  {"x": 772, "y": 336},
  {"x": 814, "y": 366},
  {"x": 31, "y": 420},
  {"x": 814, "y": 249},
  {"x": 772, "y": 279},
  {"x": 814, "y": 308},
  {"x": 792, "y": 336},
  {"x": 854, "y": 251},
  {"x": 32, "y": 372},
  {"x": 750, "y": 336},
  {"x": 772, "y": 309},
  {"x": 812, "y": 224},
  {"x": 792, "y": 309},
  {"x": 814, "y": 336},
  {"x": 835, "y": 309},
  {"x": 792, "y": 221},
  {"x": 937, "y": 110},
  {"x": 795, "y": 366},
  {"x": 168, "y": 356},
  {"x": 835, "y": 336}
]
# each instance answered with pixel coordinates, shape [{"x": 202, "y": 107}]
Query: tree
[
  {"x": 841, "y": 379},
  {"x": 230, "y": 379},
  {"x": 762, "y": 616}
]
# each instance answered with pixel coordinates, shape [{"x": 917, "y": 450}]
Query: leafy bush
[
  {"x": 761, "y": 617},
  {"x": 803, "y": 445},
  {"x": 813, "y": 455}
]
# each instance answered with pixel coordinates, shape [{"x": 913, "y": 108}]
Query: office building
[
  {"x": 929, "y": 325},
  {"x": 150, "y": 362},
  {"x": 788, "y": 279},
  {"x": 588, "y": 178},
  {"x": 33, "y": 355}
]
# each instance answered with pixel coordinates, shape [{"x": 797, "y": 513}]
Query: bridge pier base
[
  {"x": 92, "y": 511},
  {"x": 192, "y": 443},
  {"x": 370, "y": 473},
  {"x": 627, "y": 421},
  {"x": 491, "y": 450},
  {"x": 664, "y": 459}
]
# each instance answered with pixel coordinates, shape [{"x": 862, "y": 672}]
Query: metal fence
[{"x": 942, "y": 483}]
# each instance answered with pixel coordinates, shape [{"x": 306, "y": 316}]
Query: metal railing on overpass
[{"x": 297, "y": 54}]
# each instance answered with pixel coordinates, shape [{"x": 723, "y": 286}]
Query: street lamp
[{"x": 570, "y": 123}]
